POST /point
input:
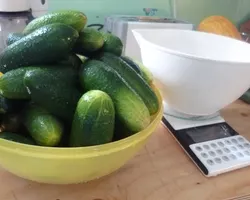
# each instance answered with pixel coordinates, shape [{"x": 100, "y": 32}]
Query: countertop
[{"x": 160, "y": 171}]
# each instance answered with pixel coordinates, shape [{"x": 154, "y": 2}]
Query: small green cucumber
[
  {"x": 93, "y": 122},
  {"x": 43, "y": 127}
]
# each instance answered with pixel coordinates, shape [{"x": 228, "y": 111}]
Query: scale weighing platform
[{"x": 213, "y": 145}]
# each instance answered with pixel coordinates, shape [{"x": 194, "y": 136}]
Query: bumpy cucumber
[
  {"x": 134, "y": 80},
  {"x": 43, "y": 127},
  {"x": 11, "y": 84},
  {"x": 90, "y": 40},
  {"x": 54, "y": 89},
  {"x": 130, "y": 109},
  {"x": 47, "y": 44},
  {"x": 13, "y": 37},
  {"x": 94, "y": 119},
  {"x": 75, "y": 19}
]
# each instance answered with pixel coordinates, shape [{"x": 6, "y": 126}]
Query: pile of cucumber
[{"x": 66, "y": 85}]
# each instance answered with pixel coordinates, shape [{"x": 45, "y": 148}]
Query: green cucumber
[
  {"x": 54, "y": 89},
  {"x": 94, "y": 119},
  {"x": 14, "y": 137},
  {"x": 129, "y": 107},
  {"x": 139, "y": 68},
  {"x": 72, "y": 60},
  {"x": 132, "y": 64},
  {"x": 90, "y": 40},
  {"x": 43, "y": 127},
  {"x": 11, "y": 84},
  {"x": 134, "y": 80},
  {"x": 112, "y": 44},
  {"x": 13, "y": 37},
  {"x": 146, "y": 74},
  {"x": 75, "y": 19},
  {"x": 47, "y": 44}
]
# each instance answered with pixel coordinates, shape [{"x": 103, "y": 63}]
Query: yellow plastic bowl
[{"x": 73, "y": 165}]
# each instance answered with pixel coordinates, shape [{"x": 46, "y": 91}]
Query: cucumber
[
  {"x": 132, "y": 64},
  {"x": 72, "y": 60},
  {"x": 112, "y": 44},
  {"x": 75, "y": 19},
  {"x": 90, "y": 40},
  {"x": 129, "y": 107},
  {"x": 134, "y": 80},
  {"x": 11, "y": 105},
  {"x": 94, "y": 119},
  {"x": 45, "y": 45},
  {"x": 54, "y": 89},
  {"x": 146, "y": 74},
  {"x": 14, "y": 137},
  {"x": 11, "y": 84},
  {"x": 43, "y": 127},
  {"x": 13, "y": 37},
  {"x": 139, "y": 68}
]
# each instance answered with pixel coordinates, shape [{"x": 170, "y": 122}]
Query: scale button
[
  {"x": 225, "y": 158},
  {"x": 233, "y": 148},
  {"x": 247, "y": 153},
  {"x": 198, "y": 148},
  {"x": 240, "y": 139},
  {"x": 226, "y": 150},
  {"x": 240, "y": 154},
  {"x": 234, "y": 141},
  {"x": 247, "y": 145},
  {"x": 210, "y": 162},
  {"x": 205, "y": 146},
  {"x": 211, "y": 153},
  {"x": 221, "y": 144},
  {"x": 240, "y": 146},
  {"x": 204, "y": 155},
  {"x": 213, "y": 145},
  {"x": 217, "y": 160},
  {"x": 219, "y": 151},
  {"x": 228, "y": 142},
  {"x": 232, "y": 156}
]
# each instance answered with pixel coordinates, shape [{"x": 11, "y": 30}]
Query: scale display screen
[{"x": 203, "y": 134}]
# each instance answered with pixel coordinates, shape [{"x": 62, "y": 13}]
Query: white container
[
  {"x": 14, "y": 5},
  {"x": 198, "y": 73},
  {"x": 122, "y": 26},
  {"x": 39, "y": 7}
]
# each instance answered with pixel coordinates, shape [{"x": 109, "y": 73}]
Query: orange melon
[{"x": 219, "y": 25}]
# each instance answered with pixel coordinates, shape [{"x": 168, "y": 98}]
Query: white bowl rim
[{"x": 191, "y": 56}]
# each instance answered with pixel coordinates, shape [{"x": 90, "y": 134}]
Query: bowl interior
[
  {"x": 84, "y": 152},
  {"x": 196, "y": 44},
  {"x": 198, "y": 73}
]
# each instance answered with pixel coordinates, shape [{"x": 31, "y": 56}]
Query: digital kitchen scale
[{"x": 213, "y": 145}]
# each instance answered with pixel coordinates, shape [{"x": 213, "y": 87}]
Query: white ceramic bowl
[{"x": 198, "y": 73}]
